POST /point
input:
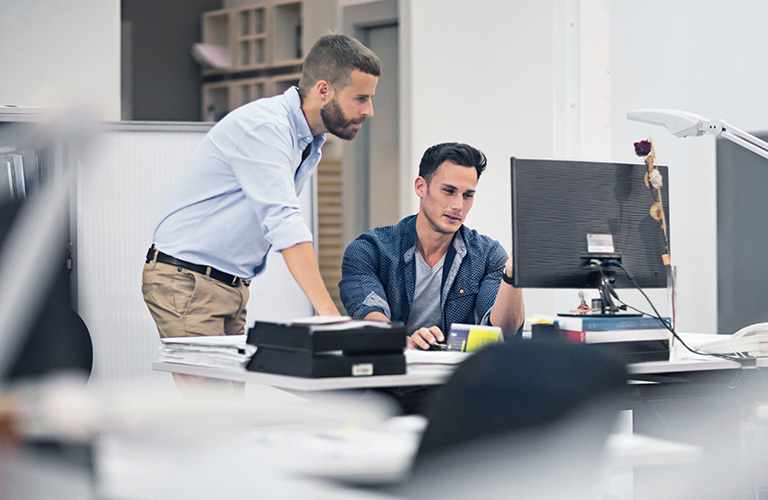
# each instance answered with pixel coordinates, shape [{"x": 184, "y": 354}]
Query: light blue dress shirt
[{"x": 238, "y": 196}]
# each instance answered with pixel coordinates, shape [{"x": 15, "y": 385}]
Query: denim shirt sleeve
[{"x": 360, "y": 288}]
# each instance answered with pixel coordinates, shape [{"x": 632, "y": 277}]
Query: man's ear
[
  {"x": 420, "y": 186},
  {"x": 324, "y": 91}
]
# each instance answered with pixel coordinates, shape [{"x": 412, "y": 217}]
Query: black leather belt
[{"x": 156, "y": 255}]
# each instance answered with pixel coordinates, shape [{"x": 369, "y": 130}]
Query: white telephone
[{"x": 751, "y": 341}]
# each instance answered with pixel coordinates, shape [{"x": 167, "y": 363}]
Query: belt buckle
[{"x": 234, "y": 281}]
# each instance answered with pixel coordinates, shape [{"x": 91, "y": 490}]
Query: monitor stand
[{"x": 605, "y": 306}]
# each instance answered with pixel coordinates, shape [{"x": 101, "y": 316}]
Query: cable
[
  {"x": 668, "y": 326},
  {"x": 606, "y": 289}
]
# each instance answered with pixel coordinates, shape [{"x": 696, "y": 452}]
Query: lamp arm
[
  {"x": 684, "y": 124},
  {"x": 743, "y": 139}
]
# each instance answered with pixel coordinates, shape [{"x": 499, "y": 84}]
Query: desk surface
[{"x": 420, "y": 373}]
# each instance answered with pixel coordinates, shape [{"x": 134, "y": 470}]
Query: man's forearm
[
  {"x": 508, "y": 311},
  {"x": 302, "y": 263},
  {"x": 376, "y": 316}
]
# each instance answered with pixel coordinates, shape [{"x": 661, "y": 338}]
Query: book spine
[
  {"x": 467, "y": 338},
  {"x": 596, "y": 337},
  {"x": 610, "y": 324}
]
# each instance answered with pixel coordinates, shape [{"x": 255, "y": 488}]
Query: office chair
[
  {"x": 525, "y": 419},
  {"x": 57, "y": 340}
]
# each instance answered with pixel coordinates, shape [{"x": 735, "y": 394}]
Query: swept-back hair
[{"x": 455, "y": 152}]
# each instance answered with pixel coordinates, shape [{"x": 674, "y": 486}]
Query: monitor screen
[{"x": 566, "y": 213}]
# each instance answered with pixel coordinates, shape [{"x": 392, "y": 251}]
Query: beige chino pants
[{"x": 186, "y": 303}]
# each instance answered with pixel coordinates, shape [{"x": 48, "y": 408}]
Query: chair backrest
[
  {"x": 57, "y": 339},
  {"x": 534, "y": 405}
]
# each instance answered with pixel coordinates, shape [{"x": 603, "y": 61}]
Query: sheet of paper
[
  {"x": 321, "y": 320},
  {"x": 413, "y": 356}
]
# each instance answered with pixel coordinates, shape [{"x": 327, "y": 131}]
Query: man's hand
[{"x": 424, "y": 337}]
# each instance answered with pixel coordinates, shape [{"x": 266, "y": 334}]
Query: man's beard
[{"x": 335, "y": 122}]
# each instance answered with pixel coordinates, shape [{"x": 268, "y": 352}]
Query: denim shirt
[{"x": 378, "y": 274}]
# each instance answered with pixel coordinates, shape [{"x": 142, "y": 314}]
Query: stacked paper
[{"x": 212, "y": 351}]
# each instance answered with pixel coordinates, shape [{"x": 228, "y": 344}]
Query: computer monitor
[{"x": 569, "y": 215}]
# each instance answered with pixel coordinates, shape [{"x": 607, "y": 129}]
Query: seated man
[{"x": 429, "y": 270}]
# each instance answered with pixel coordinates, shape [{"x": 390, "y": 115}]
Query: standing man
[
  {"x": 239, "y": 196},
  {"x": 429, "y": 270}
]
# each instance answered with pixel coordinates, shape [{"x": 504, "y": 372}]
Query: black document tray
[
  {"x": 352, "y": 337},
  {"x": 302, "y": 363}
]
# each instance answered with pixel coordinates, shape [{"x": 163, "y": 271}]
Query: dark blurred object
[
  {"x": 545, "y": 331},
  {"x": 57, "y": 339},
  {"x": 526, "y": 419},
  {"x": 518, "y": 386}
]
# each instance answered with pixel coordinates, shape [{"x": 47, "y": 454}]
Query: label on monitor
[{"x": 600, "y": 243}]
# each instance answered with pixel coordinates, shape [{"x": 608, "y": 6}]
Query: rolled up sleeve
[{"x": 360, "y": 287}]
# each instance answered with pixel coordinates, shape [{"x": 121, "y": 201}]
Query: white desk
[
  {"x": 698, "y": 364},
  {"x": 419, "y": 373}
]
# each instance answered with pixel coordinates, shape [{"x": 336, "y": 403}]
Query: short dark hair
[
  {"x": 333, "y": 58},
  {"x": 455, "y": 152}
]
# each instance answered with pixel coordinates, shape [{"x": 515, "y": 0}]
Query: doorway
[{"x": 371, "y": 194}]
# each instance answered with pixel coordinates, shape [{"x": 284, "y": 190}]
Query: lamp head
[{"x": 680, "y": 123}]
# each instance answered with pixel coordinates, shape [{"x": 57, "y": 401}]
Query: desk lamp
[{"x": 684, "y": 124}]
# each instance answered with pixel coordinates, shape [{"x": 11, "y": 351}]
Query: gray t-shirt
[{"x": 426, "y": 310}]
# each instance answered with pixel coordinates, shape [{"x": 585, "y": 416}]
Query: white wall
[
  {"x": 705, "y": 57},
  {"x": 483, "y": 73},
  {"x": 61, "y": 53},
  {"x": 522, "y": 78}
]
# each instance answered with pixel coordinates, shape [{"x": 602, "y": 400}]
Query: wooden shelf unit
[{"x": 266, "y": 43}]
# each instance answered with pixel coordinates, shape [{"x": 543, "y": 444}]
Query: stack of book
[{"x": 637, "y": 338}]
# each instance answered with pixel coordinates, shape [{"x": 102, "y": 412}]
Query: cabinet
[
  {"x": 26, "y": 160},
  {"x": 263, "y": 47}
]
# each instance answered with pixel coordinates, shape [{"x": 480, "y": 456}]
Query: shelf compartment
[
  {"x": 252, "y": 21},
  {"x": 249, "y": 90},
  {"x": 287, "y": 34},
  {"x": 216, "y": 30}
]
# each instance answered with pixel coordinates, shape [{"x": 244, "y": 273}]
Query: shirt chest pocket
[{"x": 462, "y": 294}]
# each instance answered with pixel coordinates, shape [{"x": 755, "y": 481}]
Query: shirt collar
[
  {"x": 408, "y": 241},
  {"x": 303, "y": 134}
]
